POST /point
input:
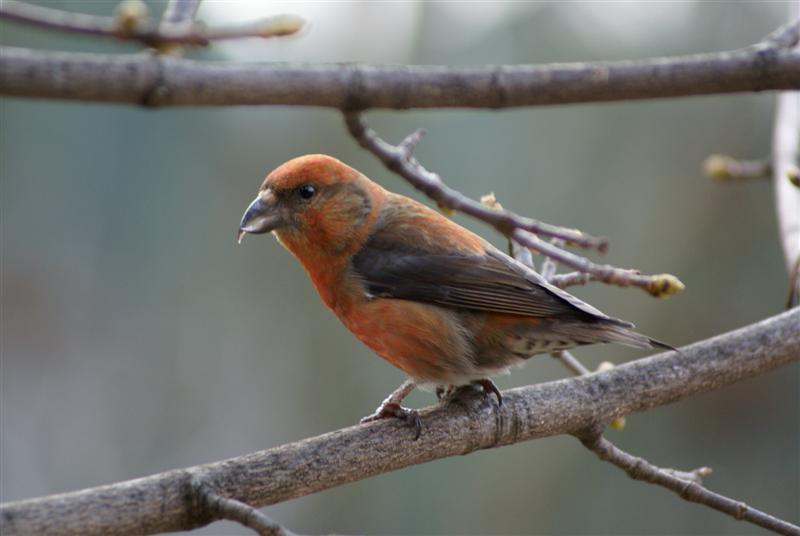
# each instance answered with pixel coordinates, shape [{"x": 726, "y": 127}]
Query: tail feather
[{"x": 613, "y": 332}]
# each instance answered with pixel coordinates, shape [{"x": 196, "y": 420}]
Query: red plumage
[{"x": 427, "y": 295}]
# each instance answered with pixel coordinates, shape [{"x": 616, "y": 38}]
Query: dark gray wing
[{"x": 493, "y": 282}]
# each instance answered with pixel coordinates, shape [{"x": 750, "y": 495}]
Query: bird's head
[{"x": 313, "y": 204}]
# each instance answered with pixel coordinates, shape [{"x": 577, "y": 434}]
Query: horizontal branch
[
  {"x": 163, "y": 502},
  {"x": 165, "y": 81}
]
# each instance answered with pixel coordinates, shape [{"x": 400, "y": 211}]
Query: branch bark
[
  {"x": 220, "y": 507},
  {"x": 521, "y": 231},
  {"x": 687, "y": 485},
  {"x": 166, "y": 502},
  {"x": 134, "y": 79}
]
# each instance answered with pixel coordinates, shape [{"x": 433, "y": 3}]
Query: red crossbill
[{"x": 432, "y": 298}]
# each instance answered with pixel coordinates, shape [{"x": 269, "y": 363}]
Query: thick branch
[
  {"x": 163, "y": 502},
  {"x": 131, "y": 79}
]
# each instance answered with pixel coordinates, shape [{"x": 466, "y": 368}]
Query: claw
[
  {"x": 489, "y": 387},
  {"x": 392, "y": 410},
  {"x": 445, "y": 391}
]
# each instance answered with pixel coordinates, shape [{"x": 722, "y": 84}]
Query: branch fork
[{"x": 523, "y": 231}]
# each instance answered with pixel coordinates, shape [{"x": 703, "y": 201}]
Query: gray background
[{"x": 138, "y": 337}]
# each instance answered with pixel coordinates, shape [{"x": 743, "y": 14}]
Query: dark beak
[{"x": 260, "y": 217}]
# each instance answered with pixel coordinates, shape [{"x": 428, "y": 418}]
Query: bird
[{"x": 427, "y": 295}]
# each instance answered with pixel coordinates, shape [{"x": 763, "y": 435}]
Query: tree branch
[
  {"x": 220, "y": 507},
  {"x": 769, "y": 65},
  {"x": 400, "y": 160},
  {"x": 687, "y": 485},
  {"x": 179, "y": 12},
  {"x": 724, "y": 168},
  {"x": 163, "y": 502},
  {"x": 177, "y": 27},
  {"x": 786, "y": 144}
]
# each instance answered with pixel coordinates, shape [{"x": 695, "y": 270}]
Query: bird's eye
[{"x": 306, "y": 191}]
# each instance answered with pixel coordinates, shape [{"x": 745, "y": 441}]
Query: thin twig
[
  {"x": 159, "y": 503},
  {"x": 687, "y": 485},
  {"x": 220, "y": 507},
  {"x": 178, "y": 16},
  {"x": 784, "y": 37},
  {"x": 515, "y": 249},
  {"x": 399, "y": 158},
  {"x": 571, "y": 362},
  {"x": 725, "y": 168},
  {"x": 550, "y": 266},
  {"x": 658, "y": 285},
  {"x": 131, "y": 24},
  {"x": 179, "y": 12},
  {"x": 572, "y": 279}
]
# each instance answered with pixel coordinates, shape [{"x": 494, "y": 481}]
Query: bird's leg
[
  {"x": 489, "y": 387},
  {"x": 390, "y": 408}
]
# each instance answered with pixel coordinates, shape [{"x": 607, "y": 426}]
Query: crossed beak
[{"x": 262, "y": 216}]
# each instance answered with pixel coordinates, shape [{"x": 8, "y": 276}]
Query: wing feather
[{"x": 410, "y": 268}]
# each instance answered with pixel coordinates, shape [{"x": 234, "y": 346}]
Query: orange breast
[{"x": 425, "y": 341}]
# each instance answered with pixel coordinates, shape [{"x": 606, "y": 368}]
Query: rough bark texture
[
  {"x": 154, "y": 80},
  {"x": 166, "y": 501}
]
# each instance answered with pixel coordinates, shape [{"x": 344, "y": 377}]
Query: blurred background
[{"x": 138, "y": 337}]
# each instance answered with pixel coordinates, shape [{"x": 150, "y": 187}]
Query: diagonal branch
[
  {"x": 131, "y": 24},
  {"x": 769, "y": 65},
  {"x": 399, "y": 158},
  {"x": 687, "y": 485},
  {"x": 159, "y": 503},
  {"x": 220, "y": 507}
]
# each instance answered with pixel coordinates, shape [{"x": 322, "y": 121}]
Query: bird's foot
[
  {"x": 489, "y": 387},
  {"x": 451, "y": 392},
  {"x": 393, "y": 410},
  {"x": 444, "y": 392}
]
